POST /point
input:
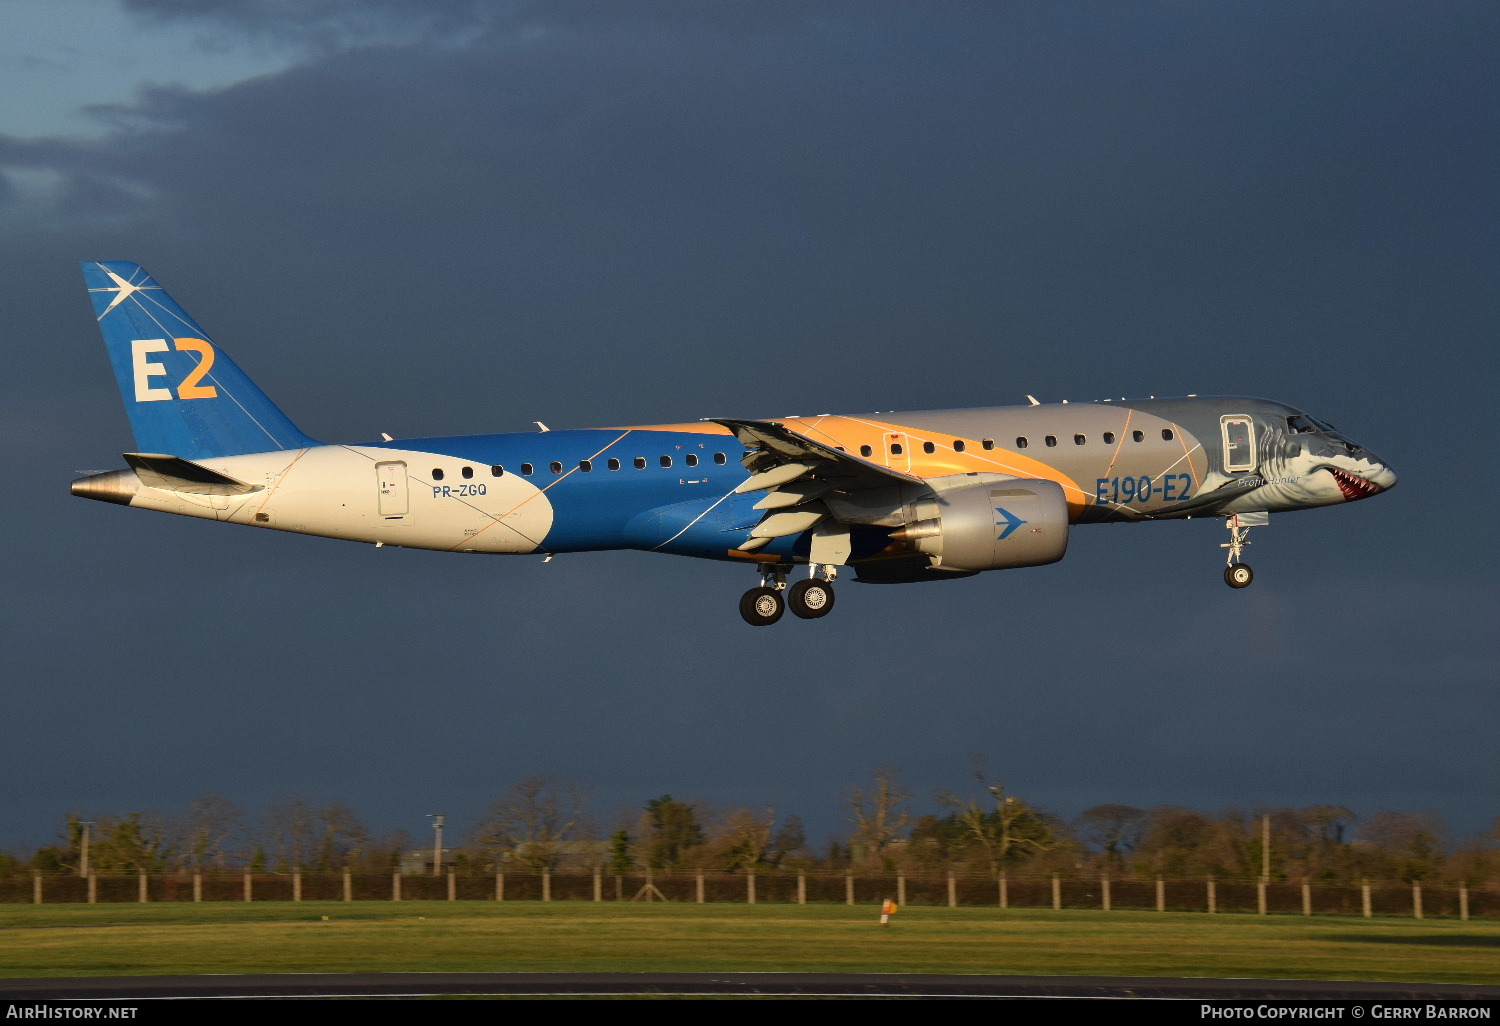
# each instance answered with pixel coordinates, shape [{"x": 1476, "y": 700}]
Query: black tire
[
  {"x": 810, "y": 599},
  {"x": 1238, "y": 575},
  {"x": 761, "y": 607}
]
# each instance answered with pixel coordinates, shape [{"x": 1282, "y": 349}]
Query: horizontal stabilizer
[{"x": 179, "y": 475}]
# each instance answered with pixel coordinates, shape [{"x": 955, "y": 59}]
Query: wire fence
[{"x": 1375, "y": 898}]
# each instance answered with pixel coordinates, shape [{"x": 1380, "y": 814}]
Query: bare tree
[
  {"x": 1114, "y": 830},
  {"x": 203, "y": 832},
  {"x": 296, "y": 833},
  {"x": 1003, "y": 825},
  {"x": 877, "y": 812},
  {"x": 743, "y": 839},
  {"x": 533, "y": 823}
]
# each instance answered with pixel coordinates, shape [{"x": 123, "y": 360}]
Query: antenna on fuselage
[
  {"x": 539, "y": 424},
  {"x": 1034, "y": 400}
]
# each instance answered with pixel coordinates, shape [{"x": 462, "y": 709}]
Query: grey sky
[{"x": 466, "y": 220}]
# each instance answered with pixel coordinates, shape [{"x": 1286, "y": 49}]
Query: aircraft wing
[
  {"x": 772, "y": 446},
  {"x": 797, "y": 473}
]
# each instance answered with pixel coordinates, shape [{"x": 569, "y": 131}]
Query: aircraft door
[
  {"x": 394, "y": 491},
  {"x": 1239, "y": 443},
  {"x": 898, "y": 451}
]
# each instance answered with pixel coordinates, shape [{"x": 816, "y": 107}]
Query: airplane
[{"x": 894, "y": 498}]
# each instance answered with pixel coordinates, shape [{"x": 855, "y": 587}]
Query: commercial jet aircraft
[{"x": 896, "y": 498}]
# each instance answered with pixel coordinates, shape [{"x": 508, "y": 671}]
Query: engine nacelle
[{"x": 991, "y": 525}]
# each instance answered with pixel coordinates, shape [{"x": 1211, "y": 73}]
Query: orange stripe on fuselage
[{"x": 851, "y": 433}]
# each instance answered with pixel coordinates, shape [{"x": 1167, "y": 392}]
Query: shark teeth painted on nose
[{"x": 1353, "y": 487}]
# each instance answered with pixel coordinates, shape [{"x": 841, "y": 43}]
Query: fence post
[
  {"x": 619, "y": 887},
  {"x": 247, "y": 888},
  {"x": 1056, "y": 893},
  {"x": 1004, "y": 892},
  {"x": 546, "y": 885},
  {"x": 802, "y": 889},
  {"x": 901, "y": 888},
  {"x": 1463, "y": 902},
  {"x": 499, "y": 886},
  {"x": 197, "y": 886},
  {"x": 1306, "y": 897},
  {"x": 452, "y": 886},
  {"x": 348, "y": 885},
  {"x": 698, "y": 887},
  {"x": 143, "y": 896},
  {"x": 749, "y": 888},
  {"x": 1161, "y": 894},
  {"x": 1260, "y": 896},
  {"x": 36, "y": 888},
  {"x": 395, "y": 886},
  {"x": 952, "y": 892},
  {"x": 296, "y": 885},
  {"x": 1104, "y": 892},
  {"x": 1416, "y": 900},
  {"x": 93, "y": 889},
  {"x": 1213, "y": 897},
  {"x": 598, "y": 884},
  {"x": 848, "y": 888},
  {"x": 1364, "y": 897}
]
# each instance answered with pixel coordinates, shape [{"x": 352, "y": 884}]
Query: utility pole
[
  {"x": 83, "y": 862},
  {"x": 1265, "y": 847},
  {"x": 437, "y": 843}
]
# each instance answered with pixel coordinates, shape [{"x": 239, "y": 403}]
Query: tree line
[{"x": 542, "y": 823}]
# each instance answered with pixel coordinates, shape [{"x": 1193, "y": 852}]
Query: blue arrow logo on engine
[{"x": 1011, "y": 523}]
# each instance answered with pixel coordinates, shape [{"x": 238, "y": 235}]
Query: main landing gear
[
  {"x": 1238, "y": 574},
  {"x": 808, "y": 599}
]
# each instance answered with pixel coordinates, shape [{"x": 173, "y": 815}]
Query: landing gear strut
[
  {"x": 808, "y": 599},
  {"x": 1238, "y": 574}
]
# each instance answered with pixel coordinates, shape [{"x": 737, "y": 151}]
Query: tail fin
[{"x": 184, "y": 395}]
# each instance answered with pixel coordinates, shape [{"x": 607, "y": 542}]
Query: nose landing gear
[
  {"x": 1238, "y": 574},
  {"x": 808, "y": 599}
]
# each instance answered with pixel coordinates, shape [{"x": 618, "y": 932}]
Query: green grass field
[{"x": 162, "y": 939}]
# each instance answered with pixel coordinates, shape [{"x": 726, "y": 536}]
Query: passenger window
[
  {"x": 988, "y": 443},
  {"x": 1021, "y": 442},
  {"x": 720, "y": 458},
  {"x": 666, "y": 461},
  {"x": 467, "y": 472},
  {"x": 437, "y": 473},
  {"x": 1079, "y": 439},
  {"x": 614, "y": 464},
  {"x": 896, "y": 449},
  {"x": 692, "y": 460},
  {"x": 527, "y": 469},
  {"x": 1051, "y": 439},
  {"x": 1166, "y": 434},
  {"x": 865, "y": 450},
  {"x": 585, "y": 465},
  {"x": 958, "y": 445},
  {"x": 1139, "y": 436},
  {"x": 497, "y": 471},
  {"x": 1109, "y": 438},
  {"x": 640, "y": 463},
  {"x": 556, "y": 467},
  {"x": 928, "y": 447}
]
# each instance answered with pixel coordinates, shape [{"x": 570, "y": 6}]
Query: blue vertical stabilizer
[{"x": 184, "y": 395}]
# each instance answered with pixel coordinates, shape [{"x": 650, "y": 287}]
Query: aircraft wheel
[
  {"x": 810, "y": 599},
  {"x": 1238, "y": 575},
  {"x": 761, "y": 607}
]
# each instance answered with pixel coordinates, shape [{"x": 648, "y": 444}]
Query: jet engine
[{"x": 990, "y": 526}]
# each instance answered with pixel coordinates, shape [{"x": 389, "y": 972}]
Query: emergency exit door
[{"x": 394, "y": 493}]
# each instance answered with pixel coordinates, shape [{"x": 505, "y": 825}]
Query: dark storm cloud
[{"x": 450, "y": 218}]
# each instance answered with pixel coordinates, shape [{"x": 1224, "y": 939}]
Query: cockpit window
[
  {"x": 1324, "y": 425},
  {"x": 1300, "y": 425}
]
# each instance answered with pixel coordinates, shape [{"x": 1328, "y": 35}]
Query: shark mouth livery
[{"x": 895, "y": 498}]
